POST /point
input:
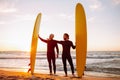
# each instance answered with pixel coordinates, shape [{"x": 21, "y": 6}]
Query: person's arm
[
  {"x": 57, "y": 49},
  {"x": 42, "y": 39},
  {"x": 60, "y": 42},
  {"x": 73, "y": 46}
]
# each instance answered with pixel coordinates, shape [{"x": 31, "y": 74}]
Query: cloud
[
  {"x": 95, "y": 5},
  {"x": 8, "y": 10},
  {"x": 65, "y": 16},
  {"x": 116, "y": 2},
  {"x": 91, "y": 19},
  {"x": 25, "y": 17},
  {"x": 2, "y": 22},
  {"x": 9, "y": 13},
  {"x": 58, "y": 17},
  {"x": 16, "y": 18},
  {"x": 7, "y": 7}
]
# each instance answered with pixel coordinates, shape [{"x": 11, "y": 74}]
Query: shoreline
[
  {"x": 16, "y": 75},
  {"x": 61, "y": 73}
]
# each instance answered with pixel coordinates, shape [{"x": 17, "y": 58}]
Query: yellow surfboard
[
  {"x": 81, "y": 39},
  {"x": 34, "y": 43}
]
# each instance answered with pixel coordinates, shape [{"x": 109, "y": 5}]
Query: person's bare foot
[
  {"x": 73, "y": 75},
  {"x": 51, "y": 74},
  {"x": 65, "y": 75},
  {"x": 83, "y": 74}
]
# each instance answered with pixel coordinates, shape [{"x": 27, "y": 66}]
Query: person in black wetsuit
[
  {"x": 67, "y": 44},
  {"x": 51, "y": 44}
]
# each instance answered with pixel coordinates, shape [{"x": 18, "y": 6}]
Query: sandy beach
[{"x": 11, "y": 75}]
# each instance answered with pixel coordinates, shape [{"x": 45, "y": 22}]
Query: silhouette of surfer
[
  {"x": 67, "y": 44},
  {"x": 51, "y": 45}
]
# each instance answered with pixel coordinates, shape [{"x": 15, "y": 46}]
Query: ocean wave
[
  {"x": 108, "y": 62},
  {"x": 104, "y": 70}
]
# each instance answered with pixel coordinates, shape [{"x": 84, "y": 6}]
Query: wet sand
[{"x": 11, "y": 75}]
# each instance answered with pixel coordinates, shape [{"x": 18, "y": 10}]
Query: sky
[{"x": 17, "y": 18}]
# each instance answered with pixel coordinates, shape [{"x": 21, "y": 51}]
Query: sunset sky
[{"x": 17, "y": 18}]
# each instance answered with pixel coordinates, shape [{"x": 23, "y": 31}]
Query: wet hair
[
  {"x": 51, "y": 36},
  {"x": 66, "y": 34}
]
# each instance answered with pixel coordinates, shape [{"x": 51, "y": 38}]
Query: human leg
[
  {"x": 64, "y": 64},
  {"x": 49, "y": 63},
  {"x": 54, "y": 64},
  {"x": 71, "y": 64}
]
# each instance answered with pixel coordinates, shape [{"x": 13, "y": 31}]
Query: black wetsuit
[
  {"x": 66, "y": 54},
  {"x": 51, "y": 44}
]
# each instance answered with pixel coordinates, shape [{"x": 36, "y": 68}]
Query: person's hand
[{"x": 57, "y": 55}]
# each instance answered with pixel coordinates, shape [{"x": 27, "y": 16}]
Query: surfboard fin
[
  {"x": 29, "y": 64},
  {"x": 29, "y": 70}
]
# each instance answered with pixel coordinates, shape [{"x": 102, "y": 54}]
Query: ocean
[{"x": 97, "y": 61}]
